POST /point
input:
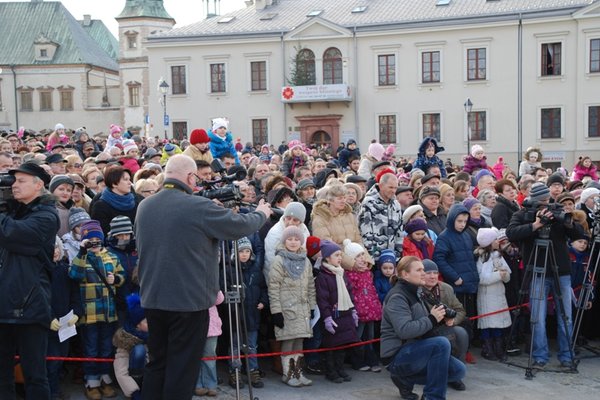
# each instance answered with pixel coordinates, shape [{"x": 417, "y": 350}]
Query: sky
[{"x": 185, "y": 12}]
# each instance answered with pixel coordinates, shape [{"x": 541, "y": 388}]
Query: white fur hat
[
  {"x": 486, "y": 236},
  {"x": 352, "y": 249},
  {"x": 218, "y": 123}
]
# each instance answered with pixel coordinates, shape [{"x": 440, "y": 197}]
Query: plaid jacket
[{"x": 98, "y": 303}]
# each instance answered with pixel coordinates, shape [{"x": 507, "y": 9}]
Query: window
[
  {"x": 387, "y": 129},
  {"x": 45, "y": 100},
  {"x": 476, "y": 64},
  {"x": 477, "y": 125},
  {"x": 132, "y": 41},
  {"x": 386, "y": 65},
  {"x": 179, "y": 130},
  {"x": 305, "y": 73},
  {"x": 595, "y": 55},
  {"x": 594, "y": 121},
  {"x": 551, "y": 53},
  {"x": 178, "y": 79},
  {"x": 430, "y": 66},
  {"x": 258, "y": 70},
  {"x": 43, "y": 53},
  {"x": 134, "y": 95},
  {"x": 217, "y": 78},
  {"x": 260, "y": 131},
  {"x": 66, "y": 100},
  {"x": 26, "y": 100},
  {"x": 551, "y": 123},
  {"x": 332, "y": 67},
  {"x": 431, "y": 126}
]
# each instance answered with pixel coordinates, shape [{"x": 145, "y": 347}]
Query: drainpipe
[
  {"x": 520, "y": 92},
  {"x": 356, "y": 121},
  {"x": 283, "y": 70},
  {"x": 12, "y": 68}
]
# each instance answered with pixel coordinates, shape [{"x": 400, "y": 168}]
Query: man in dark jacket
[
  {"x": 179, "y": 269},
  {"x": 27, "y": 236}
]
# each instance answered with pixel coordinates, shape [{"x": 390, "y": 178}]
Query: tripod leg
[{"x": 539, "y": 341}]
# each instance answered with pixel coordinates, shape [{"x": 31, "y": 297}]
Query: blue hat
[
  {"x": 91, "y": 229},
  {"x": 328, "y": 248},
  {"x": 135, "y": 312},
  {"x": 386, "y": 256},
  {"x": 169, "y": 147}
]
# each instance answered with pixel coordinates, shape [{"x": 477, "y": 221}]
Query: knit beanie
[
  {"x": 199, "y": 136},
  {"x": 296, "y": 210},
  {"x": 382, "y": 173},
  {"x": 469, "y": 202},
  {"x": 376, "y": 150},
  {"x": 219, "y": 123},
  {"x": 352, "y": 249},
  {"x": 294, "y": 143},
  {"x": 91, "y": 229},
  {"x": 328, "y": 248},
  {"x": 539, "y": 192},
  {"x": 386, "y": 256},
  {"x": 129, "y": 145},
  {"x": 135, "y": 312},
  {"x": 586, "y": 194},
  {"x": 555, "y": 178},
  {"x": 409, "y": 212},
  {"x": 58, "y": 180},
  {"x": 59, "y": 126},
  {"x": 77, "y": 216},
  {"x": 481, "y": 173},
  {"x": 313, "y": 245},
  {"x": 476, "y": 149},
  {"x": 244, "y": 244},
  {"x": 120, "y": 225},
  {"x": 115, "y": 129},
  {"x": 292, "y": 231},
  {"x": 429, "y": 265},
  {"x": 415, "y": 225},
  {"x": 486, "y": 236}
]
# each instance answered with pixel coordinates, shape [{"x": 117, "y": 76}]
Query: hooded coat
[
  {"x": 423, "y": 162},
  {"x": 454, "y": 254},
  {"x": 219, "y": 146},
  {"x": 290, "y": 163}
]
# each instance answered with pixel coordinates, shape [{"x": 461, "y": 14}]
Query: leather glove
[
  {"x": 330, "y": 325},
  {"x": 355, "y": 317},
  {"x": 54, "y": 325},
  {"x": 73, "y": 320},
  {"x": 277, "y": 320}
]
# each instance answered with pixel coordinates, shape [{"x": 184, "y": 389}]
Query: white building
[{"x": 392, "y": 70}]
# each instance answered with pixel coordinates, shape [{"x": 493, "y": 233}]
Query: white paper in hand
[{"x": 65, "y": 331}]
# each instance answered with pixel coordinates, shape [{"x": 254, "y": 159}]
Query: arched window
[
  {"x": 332, "y": 66},
  {"x": 305, "y": 73}
]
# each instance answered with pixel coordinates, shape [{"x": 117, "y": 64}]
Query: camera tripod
[{"x": 541, "y": 261}]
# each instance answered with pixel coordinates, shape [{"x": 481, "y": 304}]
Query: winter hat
[
  {"x": 199, "y": 136},
  {"x": 409, "y": 212},
  {"x": 219, "y": 123},
  {"x": 313, "y": 245},
  {"x": 429, "y": 265},
  {"x": 555, "y": 178},
  {"x": 428, "y": 191},
  {"x": 486, "y": 236},
  {"x": 482, "y": 173},
  {"x": 59, "y": 126},
  {"x": 379, "y": 164},
  {"x": 352, "y": 249},
  {"x": 135, "y": 312},
  {"x": 115, "y": 129},
  {"x": 538, "y": 192},
  {"x": 120, "y": 225},
  {"x": 469, "y": 202},
  {"x": 355, "y": 179},
  {"x": 328, "y": 248},
  {"x": 428, "y": 177},
  {"x": 382, "y": 173},
  {"x": 58, "y": 180},
  {"x": 304, "y": 184},
  {"x": 169, "y": 148},
  {"x": 151, "y": 152},
  {"x": 415, "y": 225},
  {"x": 386, "y": 256},
  {"x": 244, "y": 244},
  {"x": 376, "y": 150},
  {"x": 565, "y": 196},
  {"x": 476, "y": 149},
  {"x": 296, "y": 210},
  {"x": 294, "y": 143},
  {"x": 129, "y": 145},
  {"x": 91, "y": 229},
  {"x": 77, "y": 216},
  {"x": 350, "y": 141},
  {"x": 586, "y": 194},
  {"x": 292, "y": 231}
]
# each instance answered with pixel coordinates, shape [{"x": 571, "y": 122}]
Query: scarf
[
  {"x": 293, "y": 263},
  {"x": 117, "y": 201},
  {"x": 422, "y": 246},
  {"x": 343, "y": 301}
]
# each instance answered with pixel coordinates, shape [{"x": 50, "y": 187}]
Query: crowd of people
[{"x": 334, "y": 247}]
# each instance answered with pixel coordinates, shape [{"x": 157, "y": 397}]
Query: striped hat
[
  {"x": 120, "y": 225},
  {"x": 77, "y": 216}
]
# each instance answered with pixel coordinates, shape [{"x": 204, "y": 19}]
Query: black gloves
[{"x": 277, "y": 320}]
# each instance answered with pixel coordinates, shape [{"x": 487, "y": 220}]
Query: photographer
[
  {"x": 525, "y": 226},
  {"x": 413, "y": 356},
  {"x": 179, "y": 269},
  {"x": 27, "y": 237}
]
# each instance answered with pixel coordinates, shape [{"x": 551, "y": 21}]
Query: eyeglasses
[
  {"x": 77, "y": 165},
  {"x": 152, "y": 191},
  {"x": 198, "y": 179}
]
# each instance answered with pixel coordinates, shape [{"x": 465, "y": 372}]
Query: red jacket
[{"x": 410, "y": 249}]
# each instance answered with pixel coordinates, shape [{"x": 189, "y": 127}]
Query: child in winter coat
[
  {"x": 417, "y": 243},
  {"x": 427, "y": 156},
  {"x": 493, "y": 273},
  {"x": 129, "y": 159},
  {"x": 293, "y": 158},
  {"x": 579, "y": 255},
  {"x": 98, "y": 272},
  {"x": 531, "y": 160},
  {"x": 292, "y": 301},
  {"x": 115, "y": 137},
  {"x": 585, "y": 167},
  {"x": 221, "y": 141},
  {"x": 132, "y": 354},
  {"x": 336, "y": 306},
  {"x": 476, "y": 160},
  {"x": 386, "y": 265},
  {"x": 367, "y": 306},
  {"x": 207, "y": 378},
  {"x": 72, "y": 239}
]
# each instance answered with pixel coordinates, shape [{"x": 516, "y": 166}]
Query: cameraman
[
  {"x": 179, "y": 269},
  {"x": 524, "y": 228},
  {"x": 27, "y": 236}
]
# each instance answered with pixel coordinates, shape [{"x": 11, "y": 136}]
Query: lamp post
[
  {"x": 163, "y": 86},
  {"x": 468, "y": 108}
]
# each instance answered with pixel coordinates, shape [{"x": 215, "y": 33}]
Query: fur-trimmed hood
[
  {"x": 125, "y": 340},
  {"x": 321, "y": 208}
]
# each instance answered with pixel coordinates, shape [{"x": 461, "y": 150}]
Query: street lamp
[
  {"x": 163, "y": 86},
  {"x": 468, "y": 108}
]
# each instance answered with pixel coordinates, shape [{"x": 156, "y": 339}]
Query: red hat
[
  {"x": 382, "y": 173},
  {"x": 313, "y": 245},
  {"x": 199, "y": 136}
]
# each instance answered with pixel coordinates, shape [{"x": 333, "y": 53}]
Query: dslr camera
[
  {"x": 223, "y": 189},
  {"x": 6, "y": 194},
  {"x": 430, "y": 299}
]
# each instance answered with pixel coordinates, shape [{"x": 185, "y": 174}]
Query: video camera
[
  {"x": 223, "y": 189},
  {"x": 558, "y": 213},
  {"x": 6, "y": 194}
]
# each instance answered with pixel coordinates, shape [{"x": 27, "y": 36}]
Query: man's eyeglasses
[{"x": 149, "y": 191}]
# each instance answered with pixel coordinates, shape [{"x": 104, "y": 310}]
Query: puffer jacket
[
  {"x": 273, "y": 241},
  {"x": 580, "y": 172},
  {"x": 423, "y": 162},
  {"x": 366, "y": 300},
  {"x": 290, "y": 163},
  {"x": 218, "y": 146},
  {"x": 382, "y": 284},
  {"x": 198, "y": 155},
  {"x": 472, "y": 163},
  {"x": 491, "y": 295},
  {"x": 27, "y": 237},
  {"x": 454, "y": 254},
  {"x": 124, "y": 342}
]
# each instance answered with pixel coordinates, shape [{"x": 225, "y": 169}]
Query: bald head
[{"x": 180, "y": 167}]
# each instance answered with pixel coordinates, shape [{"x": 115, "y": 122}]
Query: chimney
[{"x": 87, "y": 19}]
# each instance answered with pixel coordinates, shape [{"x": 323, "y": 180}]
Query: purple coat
[
  {"x": 327, "y": 301},
  {"x": 471, "y": 164}
]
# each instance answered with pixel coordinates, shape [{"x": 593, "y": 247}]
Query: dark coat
[
  {"x": 255, "y": 290},
  {"x": 27, "y": 237},
  {"x": 454, "y": 255},
  {"x": 382, "y": 284},
  {"x": 129, "y": 259},
  {"x": 503, "y": 212},
  {"x": 66, "y": 295},
  {"x": 345, "y": 154},
  {"x": 423, "y": 162},
  {"x": 437, "y": 222},
  {"x": 473, "y": 228},
  {"x": 103, "y": 212}
]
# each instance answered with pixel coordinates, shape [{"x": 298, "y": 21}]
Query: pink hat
[
  {"x": 294, "y": 143},
  {"x": 486, "y": 236},
  {"x": 376, "y": 150},
  {"x": 129, "y": 145},
  {"x": 115, "y": 129}
]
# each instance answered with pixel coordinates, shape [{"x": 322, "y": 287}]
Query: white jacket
[{"x": 490, "y": 295}]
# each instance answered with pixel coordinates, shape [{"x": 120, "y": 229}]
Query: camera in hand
[
  {"x": 89, "y": 245},
  {"x": 430, "y": 299},
  {"x": 223, "y": 189},
  {"x": 558, "y": 213},
  {"x": 6, "y": 194}
]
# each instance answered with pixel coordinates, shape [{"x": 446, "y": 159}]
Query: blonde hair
[
  {"x": 404, "y": 265},
  {"x": 144, "y": 184}
]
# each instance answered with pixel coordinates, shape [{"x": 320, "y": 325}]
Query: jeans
[
  {"x": 31, "y": 340},
  {"x": 55, "y": 349},
  {"x": 252, "y": 345},
  {"x": 137, "y": 360},
  {"x": 97, "y": 343},
  {"x": 208, "y": 369},
  {"x": 538, "y": 301},
  {"x": 428, "y": 362}
]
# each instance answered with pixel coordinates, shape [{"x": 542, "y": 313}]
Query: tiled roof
[
  {"x": 103, "y": 37},
  {"x": 284, "y": 15},
  {"x": 144, "y": 8},
  {"x": 21, "y": 23}
]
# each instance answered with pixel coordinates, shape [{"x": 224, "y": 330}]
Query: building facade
[{"x": 392, "y": 70}]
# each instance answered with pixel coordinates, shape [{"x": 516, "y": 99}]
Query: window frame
[
  {"x": 61, "y": 94},
  {"x": 174, "y": 129},
  {"x": 388, "y": 135},
  {"x": 422, "y": 65},
  {"x": 178, "y": 88},
  {"x": 259, "y": 87},
  {"x": 336, "y": 65},
  {"x": 46, "y": 94},
  {"x": 133, "y": 92},
  {"x": 29, "y": 93},
  {"x": 393, "y": 68},
  {"x": 254, "y": 120},
  {"x": 588, "y": 115},
  {"x": 422, "y": 116},
  {"x": 476, "y": 69},
  {"x": 221, "y": 84},
  {"x": 543, "y": 60},
  {"x": 590, "y": 54},
  {"x": 541, "y": 122},
  {"x": 310, "y": 64},
  {"x": 470, "y": 130}
]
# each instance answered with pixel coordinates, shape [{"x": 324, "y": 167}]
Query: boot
[
  {"x": 255, "y": 379},
  {"x": 339, "y": 363},
  {"x": 286, "y": 375},
  {"x": 300, "y": 372},
  {"x": 292, "y": 380},
  {"x": 487, "y": 350},
  {"x": 499, "y": 349},
  {"x": 332, "y": 374},
  {"x": 235, "y": 379},
  {"x": 277, "y": 362}
]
